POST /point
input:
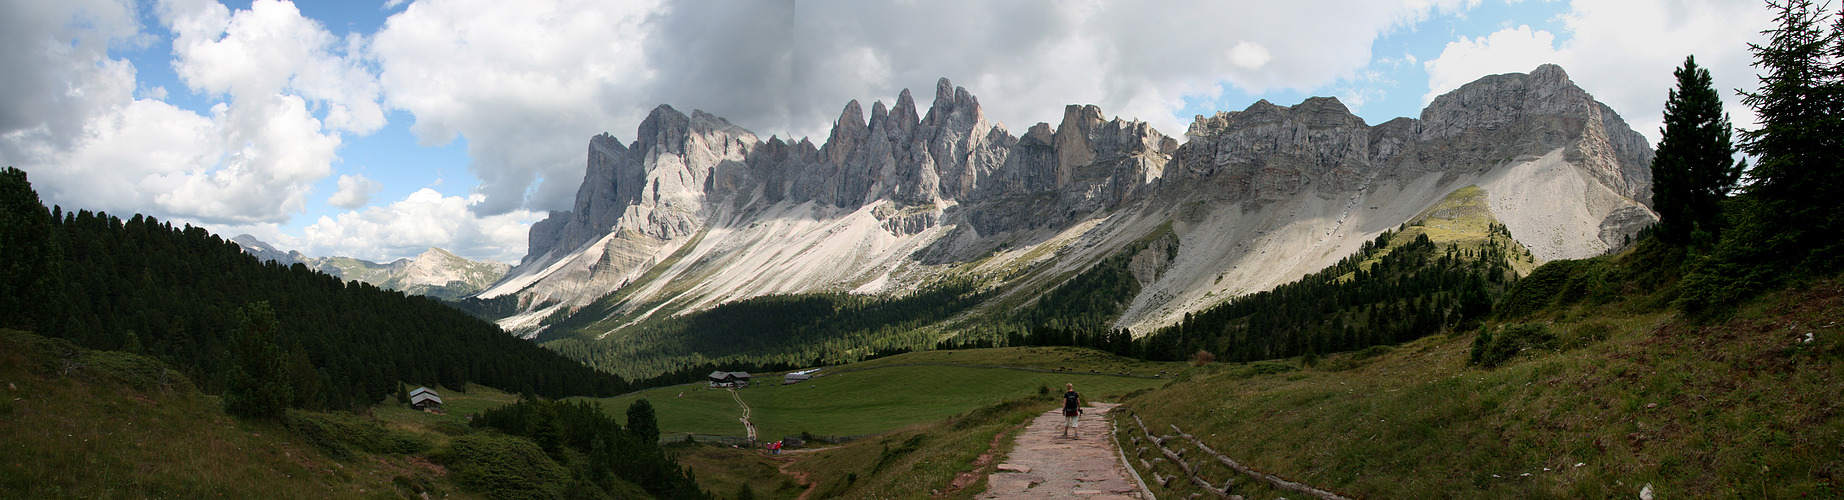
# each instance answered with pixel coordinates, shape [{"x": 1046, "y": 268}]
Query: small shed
[
  {"x": 798, "y": 377},
  {"x": 729, "y": 379},
  {"x": 425, "y": 399}
]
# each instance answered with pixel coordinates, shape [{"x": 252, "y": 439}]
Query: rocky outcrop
[
  {"x": 1498, "y": 118},
  {"x": 1268, "y": 152}
]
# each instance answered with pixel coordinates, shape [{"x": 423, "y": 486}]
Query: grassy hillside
[
  {"x": 945, "y": 458},
  {"x": 1601, "y": 391},
  {"x": 80, "y": 423}
]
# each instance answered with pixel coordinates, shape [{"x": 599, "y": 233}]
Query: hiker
[{"x": 1072, "y": 408}]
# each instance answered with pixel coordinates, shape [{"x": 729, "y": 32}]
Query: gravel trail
[{"x": 1045, "y": 464}]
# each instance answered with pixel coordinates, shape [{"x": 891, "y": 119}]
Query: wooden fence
[{"x": 1192, "y": 470}]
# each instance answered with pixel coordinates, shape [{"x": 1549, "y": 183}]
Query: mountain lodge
[
  {"x": 729, "y": 379},
  {"x": 425, "y": 399}
]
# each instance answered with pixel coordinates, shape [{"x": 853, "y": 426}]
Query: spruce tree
[
  {"x": 641, "y": 422},
  {"x": 258, "y": 383},
  {"x": 1786, "y": 223},
  {"x": 1695, "y": 167},
  {"x": 1800, "y": 144}
]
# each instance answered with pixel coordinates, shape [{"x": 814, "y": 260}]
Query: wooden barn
[
  {"x": 425, "y": 399},
  {"x": 729, "y": 379}
]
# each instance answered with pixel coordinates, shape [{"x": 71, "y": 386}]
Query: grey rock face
[
  {"x": 1269, "y": 152},
  {"x": 1500, "y": 117},
  {"x": 1622, "y": 223}
]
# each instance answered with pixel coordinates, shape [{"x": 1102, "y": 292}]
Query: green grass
[
  {"x": 122, "y": 425},
  {"x": 456, "y": 406},
  {"x": 724, "y": 471},
  {"x": 1077, "y": 360},
  {"x": 1635, "y": 395},
  {"x": 922, "y": 461},
  {"x": 880, "y": 395}
]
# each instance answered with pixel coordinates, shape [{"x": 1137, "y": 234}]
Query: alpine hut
[
  {"x": 425, "y": 399},
  {"x": 729, "y": 379}
]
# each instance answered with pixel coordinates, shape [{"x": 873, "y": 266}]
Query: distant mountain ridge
[
  {"x": 435, "y": 273},
  {"x": 698, "y": 211}
]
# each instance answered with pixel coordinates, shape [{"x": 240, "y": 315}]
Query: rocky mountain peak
[
  {"x": 944, "y": 185},
  {"x": 1532, "y": 113}
]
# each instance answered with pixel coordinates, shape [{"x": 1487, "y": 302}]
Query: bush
[
  {"x": 1490, "y": 350},
  {"x": 1202, "y": 357},
  {"x": 1538, "y": 291},
  {"x": 335, "y": 432},
  {"x": 501, "y": 466}
]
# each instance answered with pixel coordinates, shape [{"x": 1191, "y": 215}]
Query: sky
[{"x": 379, "y": 128}]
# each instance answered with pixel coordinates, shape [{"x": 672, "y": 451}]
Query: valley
[
  {"x": 1510, "y": 295},
  {"x": 932, "y": 226}
]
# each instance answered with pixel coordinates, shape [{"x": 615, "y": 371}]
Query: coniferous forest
[
  {"x": 1392, "y": 290},
  {"x": 1371, "y": 298},
  {"x": 205, "y": 307}
]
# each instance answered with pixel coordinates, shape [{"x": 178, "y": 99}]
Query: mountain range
[
  {"x": 697, "y": 211},
  {"x": 436, "y": 272}
]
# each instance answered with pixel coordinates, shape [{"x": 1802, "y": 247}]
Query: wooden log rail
[{"x": 1192, "y": 471}]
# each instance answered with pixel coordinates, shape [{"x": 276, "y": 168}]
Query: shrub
[
  {"x": 335, "y": 432},
  {"x": 1202, "y": 357},
  {"x": 1538, "y": 290},
  {"x": 1490, "y": 350},
  {"x": 501, "y": 466}
]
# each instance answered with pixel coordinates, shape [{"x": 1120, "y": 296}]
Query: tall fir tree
[
  {"x": 641, "y": 422},
  {"x": 1800, "y": 144},
  {"x": 1786, "y": 223},
  {"x": 1695, "y": 168},
  {"x": 258, "y": 384}
]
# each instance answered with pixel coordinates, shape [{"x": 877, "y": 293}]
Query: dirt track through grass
[{"x": 749, "y": 429}]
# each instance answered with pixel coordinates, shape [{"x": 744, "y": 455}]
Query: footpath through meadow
[{"x": 1045, "y": 464}]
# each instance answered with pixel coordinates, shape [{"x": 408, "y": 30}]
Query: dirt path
[
  {"x": 800, "y": 478},
  {"x": 748, "y": 427},
  {"x": 1045, "y": 464}
]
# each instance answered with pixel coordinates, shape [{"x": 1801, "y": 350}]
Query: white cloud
[
  {"x": 288, "y": 94},
  {"x": 354, "y": 191},
  {"x": 526, "y": 82},
  {"x": 1249, "y": 55},
  {"x": 57, "y": 71},
  {"x": 271, "y": 48},
  {"x": 1623, "y": 53},
  {"x": 421, "y": 220},
  {"x": 1511, "y": 50}
]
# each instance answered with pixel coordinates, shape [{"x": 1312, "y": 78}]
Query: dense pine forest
[
  {"x": 198, "y": 302},
  {"x": 1387, "y": 293}
]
